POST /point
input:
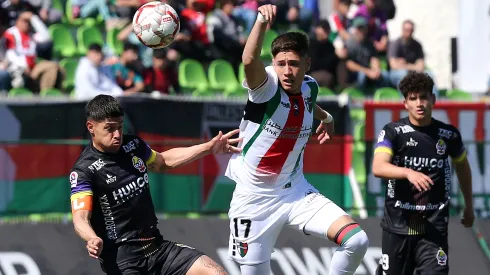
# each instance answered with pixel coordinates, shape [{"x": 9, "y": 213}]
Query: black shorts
[
  {"x": 414, "y": 255},
  {"x": 170, "y": 259}
]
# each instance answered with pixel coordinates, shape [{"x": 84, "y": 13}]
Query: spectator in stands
[
  {"x": 46, "y": 11},
  {"x": 406, "y": 54},
  {"x": 246, "y": 12},
  {"x": 362, "y": 60},
  {"x": 92, "y": 77},
  {"x": 302, "y": 13},
  {"x": 21, "y": 54},
  {"x": 377, "y": 30},
  {"x": 162, "y": 75},
  {"x": 4, "y": 74},
  {"x": 88, "y": 8},
  {"x": 223, "y": 32},
  {"x": 326, "y": 67},
  {"x": 339, "y": 24},
  {"x": 128, "y": 71}
]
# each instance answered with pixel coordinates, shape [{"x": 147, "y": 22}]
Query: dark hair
[
  {"x": 130, "y": 47},
  {"x": 224, "y": 2},
  {"x": 103, "y": 107},
  {"x": 345, "y": 2},
  {"x": 415, "y": 82},
  {"x": 290, "y": 42},
  {"x": 95, "y": 47},
  {"x": 160, "y": 54},
  {"x": 408, "y": 21}
]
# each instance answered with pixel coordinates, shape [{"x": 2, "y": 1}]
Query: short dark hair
[
  {"x": 290, "y": 42},
  {"x": 345, "y": 2},
  {"x": 103, "y": 107},
  {"x": 95, "y": 47},
  {"x": 130, "y": 47},
  {"x": 415, "y": 82}
]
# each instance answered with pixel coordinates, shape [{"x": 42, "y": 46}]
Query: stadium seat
[
  {"x": 51, "y": 93},
  {"x": 458, "y": 95},
  {"x": 387, "y": 93},
  {"x": 70, "y": 67},
  {"x": 63, "y": 43},
  {"x": 192, "y": 76},
  {"x": 354, "y": 93},
  {"x": 87, "y": 36},
  {"x": 20, "y": 92},
  {"x": 112, "y": 41},
  {"x": 324, "y": 91},
  {"x": 241, "y": 73},
  {"x": 359, "y": 167},
  {"x": 222, "y": 76},
  {"x": 269, "y": 36},
  {"x": 359, "y": 144}
]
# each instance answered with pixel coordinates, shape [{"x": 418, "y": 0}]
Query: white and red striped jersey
[
  {"x": 23, "y": 45},
  {"x": 275, "y": 129}
]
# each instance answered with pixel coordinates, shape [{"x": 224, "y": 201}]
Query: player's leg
[
  {"x": 397, "y": 254},
  {"x": 316, "y": 215},
  {"x": 431, "y": 255},
  {"x": 206, "y": 266}
]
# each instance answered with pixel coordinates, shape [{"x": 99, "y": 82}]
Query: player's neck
[
  {"x": 420, "y": 123},
  {"x": 101, "y": 149}
]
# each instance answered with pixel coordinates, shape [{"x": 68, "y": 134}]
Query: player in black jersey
[
  {"x": 412, "y": 158},
  {"x": 111, "y": 201}
]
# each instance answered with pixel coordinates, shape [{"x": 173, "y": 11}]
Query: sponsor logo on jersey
[
  {"x": 404, "y": 129},
  {"x": 130, "y": 146},
  {"x": 391, "y": 188},
  {"x": 441, "y": 147},
  {"x": 73, "y": 179},
  {"x": 419, "y": 163},
  {"x": 285, "y": 104},
  {"x": 139, "y": 164},
  {"x": 441, "y": 257},
  {"x": 426, "y": 207},
  {"x": 445, "y": 133},
  {"x": 110, "y": 225},
  {"x": 110, "y": 179},
  {"x": 131, "y": 189},
  {"x": 381, "y": 136},
  {"x": 412, "y": 143},
  {"x": 96, "y": 165}
]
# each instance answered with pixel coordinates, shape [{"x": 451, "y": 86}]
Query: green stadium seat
[
  {"x": 387, "y": 93},
  {"x": 354, "y": 93},
  {"x": 70, "y": 66},
  {"x": 269, "y": 36},
  {"x": 241, "y": 73},
  {"x": 192, "y": 76},
  {"x": 222, "y": 76},
  {"x": 324, "y": 91},
  {"x": 458, "y": 95},
  {"x": 51, "y": 93},
  {"x": 383, "y": 62},
  {"x": 115, "y": 44},
  {"x": 20, "y": 92},
  {"x": 203, "y": 93},
  {"x": 63, "y": 43},
  {"x": 87, "y": 36},
  {"x": 359, "y": 144}
]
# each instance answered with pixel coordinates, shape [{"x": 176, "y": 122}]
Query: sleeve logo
[
  {"x": 381, "y": 136},
  {"x": 139, "y": 164},
  {"x": 73, "y": 179}
]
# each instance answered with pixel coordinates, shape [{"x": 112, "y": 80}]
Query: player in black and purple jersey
[{"x": 111, "y": 200}]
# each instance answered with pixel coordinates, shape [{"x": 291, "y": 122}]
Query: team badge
[
  {"x": 441, "y": 147},
  {"x": 139, "y": 164},
  {"x": 73, "y": 179},
  {"x": 441, "y": 257},
  {"x": 381, "y": 136},
  {"x": 242, "y": 249}
]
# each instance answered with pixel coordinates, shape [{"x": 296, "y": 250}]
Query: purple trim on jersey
[
  {"x": 80, "y": 187},
  {"x": 384, "y": 143},
  {"x": 147, "y": 152}
]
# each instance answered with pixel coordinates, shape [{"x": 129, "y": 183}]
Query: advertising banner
[
  {"x": 54, "y": 249},
  {"x": 472, "y": 120}
]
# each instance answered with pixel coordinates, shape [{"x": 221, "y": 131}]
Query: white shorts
[{"x": 256, "y": 221}]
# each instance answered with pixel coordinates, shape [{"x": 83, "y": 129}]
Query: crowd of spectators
[{"x": 348, "y": 48}]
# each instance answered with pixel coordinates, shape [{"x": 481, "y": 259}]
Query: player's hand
[
  {"x": 223, "y": 144},
  {"x": 269, "y": 12},
  {"x": 420, "y": 180},
  {"x": 468, "y": 217},
  {"x": 324, "y": 131},
  {"x": 94, "y": 247}
]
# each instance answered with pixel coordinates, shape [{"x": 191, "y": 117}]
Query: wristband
[
  {"x": 328, "y": 119},
  {"x": 261, "y": 18}
]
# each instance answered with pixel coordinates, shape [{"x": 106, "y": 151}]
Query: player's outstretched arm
[
  {"x": 463, "y": 171},
  {"x": 176, "y": 157},
  {"x": 254, "y": 68},
  {"x": 84, "y": 230}
]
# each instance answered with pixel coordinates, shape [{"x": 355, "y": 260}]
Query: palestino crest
[
  {"x": 441, "y": 257},
  {"x": 139, "y": 164},
  {"x": 441, "y": 147},
  {"x": 242, "y": 249}
]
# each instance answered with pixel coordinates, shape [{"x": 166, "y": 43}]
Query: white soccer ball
[{"x": 156, "y": 24}]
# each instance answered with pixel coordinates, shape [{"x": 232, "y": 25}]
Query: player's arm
[
  {"x": 462, "y": 167},
  {"x": 320, "y": 114},
  {"x": 81, "y": 222},
  {"x": 255, "y": 73}
]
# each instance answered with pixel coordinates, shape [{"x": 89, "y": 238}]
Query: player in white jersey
[{"x": 271, "y": 190}]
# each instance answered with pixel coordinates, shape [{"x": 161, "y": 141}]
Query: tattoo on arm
[
  {"x": 156, "y": 167},
  {"x": 209, "y": 263}
]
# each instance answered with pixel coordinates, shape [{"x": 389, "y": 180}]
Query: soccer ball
[{"x": 156, "y": 24}]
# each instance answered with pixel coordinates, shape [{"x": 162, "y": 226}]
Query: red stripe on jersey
[{"x": 276, "y": 156}]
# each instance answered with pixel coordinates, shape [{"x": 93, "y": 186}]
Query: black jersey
[
  {"x": 427, "y": 150},
  {"x": 123, "y": 210}
]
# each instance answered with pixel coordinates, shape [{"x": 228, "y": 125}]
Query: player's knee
[{"x": 352, "y": 238}]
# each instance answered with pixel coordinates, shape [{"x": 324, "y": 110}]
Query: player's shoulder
[
  {"x": 446, "y": 130},
  {"x": 86, "y": 158},
  {"x": 396, "y": 126},
  {"x": 131, "y": 143},
  {"x": 309, "y": 79}
]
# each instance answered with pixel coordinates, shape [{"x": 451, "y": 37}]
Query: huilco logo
[
  {"x": 418, "y": 162},
  {"x": 131, "y": 189}
]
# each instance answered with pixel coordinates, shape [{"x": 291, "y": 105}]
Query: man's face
[
  {"x": 407, "y": 31},
  {"x": 419, "y": 105},
  {"x": 343, "y": 9},
  {"x": 360, "y": 33},
  {"x": 321, "y": 34},
  {"x": 96, "y": 57},
  {"x": 158, "y": 63},
  {"x": 290, "y": 69},
  {"x": 23, "y": 23},
  {"x": 129, "y": 56},
  {"x": 108, "y": 134}
]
